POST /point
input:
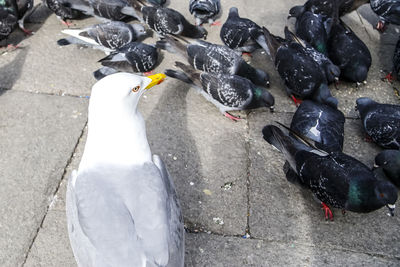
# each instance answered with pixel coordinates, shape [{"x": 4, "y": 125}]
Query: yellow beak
[{"x": 155, "y": 79}]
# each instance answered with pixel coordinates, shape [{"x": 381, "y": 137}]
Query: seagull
[{"x": 122, "y": 208}]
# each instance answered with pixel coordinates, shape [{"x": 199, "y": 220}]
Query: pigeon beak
[
  {"x": 391, "y": 209},
  {"x": 155, "y": 79},
  {"x": 271, "y": 109}
]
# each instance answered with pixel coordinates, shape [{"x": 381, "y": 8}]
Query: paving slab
[
  {"x": 38, "y": 134},
  {"x": 213, "y": 250},
  {"x": 282, "y": 212}
]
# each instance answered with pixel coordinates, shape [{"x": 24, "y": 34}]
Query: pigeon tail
[
  {"x": 132, "y": 12},
  {"x": 173, "y": 46},
  {"x": 271, "y": 42},
  {"x": 259, "y": 37},
  {"x": 177, "y": 74},
  {"x": 103, "y": 72}
]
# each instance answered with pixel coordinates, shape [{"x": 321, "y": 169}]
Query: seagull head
[{"x": 121, "y": 90}]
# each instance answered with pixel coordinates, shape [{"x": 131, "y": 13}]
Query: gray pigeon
[
  {"x": 204, "y": 10},
  {"x": 169, "y": 21},
  {"x": 133, "y": 57},
  {"x": 122, "y": 208},
  {"x": 105, "y": 36}
]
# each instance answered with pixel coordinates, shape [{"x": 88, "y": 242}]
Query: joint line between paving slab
[
  {"x": 45, "y": 93},
  {"x": 56, "y": 191},
  {"x": 248, "y": 166}
]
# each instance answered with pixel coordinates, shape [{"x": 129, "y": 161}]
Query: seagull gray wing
[{"x": 121, "y": 217}]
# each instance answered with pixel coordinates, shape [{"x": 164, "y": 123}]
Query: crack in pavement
[{"x": 55, "y": 191}]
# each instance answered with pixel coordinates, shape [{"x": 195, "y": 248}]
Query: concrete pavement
[{"x": 229, "y": 180}]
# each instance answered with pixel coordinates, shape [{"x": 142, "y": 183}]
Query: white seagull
[{"x": 122, "y": 208}]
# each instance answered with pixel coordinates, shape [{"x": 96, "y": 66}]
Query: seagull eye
[{"x": 135, "y": 89}]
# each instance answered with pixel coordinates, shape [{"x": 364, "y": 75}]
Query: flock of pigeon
[{"x": 118, "y": 175}]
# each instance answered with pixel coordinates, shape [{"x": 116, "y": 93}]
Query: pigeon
[
  {"x": 215, "y": 58},
  {"x": 227, "y": 92},
  {"x": 25, "y": 9},
  {"x": 63, "y": 10},
  {"x": 381, "y": 122},
  {"x": 396, "y": 63},
  {"x": 133, "y": 57},
  {"x": 388, "y": 12},
  {"x": 236, "y": 32},
  {"x": 157, "y": 2},
  {"x": 321, "y": 122},
  {"x": 169, "y": 21},
  {"x": 336, "y": 179},
  {"x": 204, "y": 10},
  {"x": 302, "y": 75},
  {"x": 122, "y": 207},
  {"x": 389, "y": 162},
  {"x": 348, "y": 52},
  {"x": 326, "y": 8},
  {"x": 106, "y": 36},
  {"x": 107, "y": 9},
  {"x": 10, "y": 16},
  {"x": 313, "y": 28}
]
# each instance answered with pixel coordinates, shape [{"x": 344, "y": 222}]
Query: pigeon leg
[
  {"x": 328, "y": 212},
  {"x": 230, "y": 116},
  {"x": 381, "y": 26},
  {"x": 389, "y": 77},
  {"x": 368, "y": 139},
  {"x": 66, "y": 23},
  {"x": 216, "y": 23},
  {"x": 246, "y": 54},
  {"x": 296, "y": 101},
  {"x": 27, "y": 32},
  {"x": 147, "y": 73}
]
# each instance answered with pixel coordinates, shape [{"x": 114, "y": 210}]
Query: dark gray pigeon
[
  {"x": 394, "y": 74},
  {"x": 11, "y": 15},
  {"x": 335, "y": 178},
  {"x": 327, "y": 7},
  {"x": 321, "y": 122},
  {"x": 105, "y": 36},
  {"x": 227, "y": 92},
  {"x": 169, "y": 21},
  {"x": 157, "y": 2},
  {"x": 108, "y": 9},
  {"x": 380, "y": 121},
  {"x": 236, "y": 32},
  {"x": 204, "y": 10},
  {"x": 63, "y": 10},
  {"x": 216, "y": 59},
  {"x": 133, "y": 57},
  {"x": 388, "y": 12},
  {"x": 313, "y": 28},
  {"x": 348, "y": 52},
  {"x": 302, "y": 75},
  {"x": 389, "y": 162}
]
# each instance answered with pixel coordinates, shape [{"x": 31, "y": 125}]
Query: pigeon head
[
  {"x": 120, "y": 91},
  {"x": 296, "y": 11},
  {"x": 266, "y": 99},
  {"x": 363, "y": 103},
  {"x": 233, "y": 12},
  {"x": 359, "y": 73},
  {"x": 386, "y": 195},
  {"x": 332, "y": 72},
  {"x": 323, "y": 95},
  {"x": 389, "y": 161},
  {"x": 138, "y": 29},
  {"x": 261, "y": 78}
]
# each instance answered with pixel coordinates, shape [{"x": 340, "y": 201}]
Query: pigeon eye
[
  {"x": 135, "y": 89},
  {"x": 381, "y": 194}
]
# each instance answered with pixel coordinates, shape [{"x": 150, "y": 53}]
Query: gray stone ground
[{"x": 222, "y": 170}]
